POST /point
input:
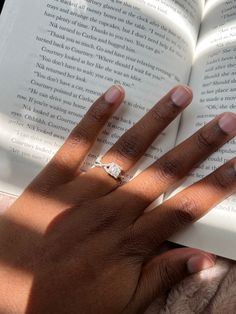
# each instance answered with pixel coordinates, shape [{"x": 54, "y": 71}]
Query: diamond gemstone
[{"x": 114, "y": 170}]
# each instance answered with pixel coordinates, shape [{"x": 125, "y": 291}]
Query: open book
[{"x": 58, "y": 56}]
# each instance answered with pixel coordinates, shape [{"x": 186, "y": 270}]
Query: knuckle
[
  {"x": 163, "y": 114},
  {"x": 61, "y": 162},
  {"x": 43, "y": 186},
  {"x": 132, "y": 245},
  {"x": 80, "y": 135},
  {"x": 104, "y": 218},
  {"x": 224, "y": 179},
  {"x": 204, "y": 139},
  {"x": 170, "y": 168},
  {"x": 160, "y": 115},
  {"x": 185, "y": 212},
  {"x": 152, "y": 242},
  {"x": 130, "y": 147},
  {"x": 167, "y": 273},
  {"x": 98, "y": 112}
]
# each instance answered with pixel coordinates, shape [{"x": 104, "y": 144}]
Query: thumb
[{"x": 164, "y": 271}]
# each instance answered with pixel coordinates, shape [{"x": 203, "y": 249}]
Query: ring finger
[{"x": 133, "y": 144}]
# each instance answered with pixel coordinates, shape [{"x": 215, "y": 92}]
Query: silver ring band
[{"x": 111, "y": 168}]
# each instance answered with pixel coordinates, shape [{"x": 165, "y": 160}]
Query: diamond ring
[{"x": 111, "y": 168}]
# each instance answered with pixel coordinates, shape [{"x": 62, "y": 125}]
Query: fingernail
[
  {"x": 182, "y": 96},
  {"x": 227, "y": 123},
  {"x": 114, "y": 94},
  {"x": 198, "y": 263}
]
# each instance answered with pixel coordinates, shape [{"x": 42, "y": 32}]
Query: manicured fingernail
[
  {"x": 227, "y": 123},
  {"x": 114, "y": 94},
  {"x": 198, "y": 263},
  {"x": 182, "y": 96}
]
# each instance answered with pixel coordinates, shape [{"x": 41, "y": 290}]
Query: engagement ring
[{"x": 111, "y": 168}]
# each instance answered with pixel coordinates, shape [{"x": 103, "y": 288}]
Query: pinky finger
[{"x": 187, "y": 206}]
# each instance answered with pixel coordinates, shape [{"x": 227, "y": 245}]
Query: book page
[
  {"x": 214, "y": 83},
  {"x": 60, "y": 55}
]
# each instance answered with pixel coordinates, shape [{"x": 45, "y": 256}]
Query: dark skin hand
[{"x": 78, "y": 242}]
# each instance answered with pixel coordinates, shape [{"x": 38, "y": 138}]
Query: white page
[
  {"x": 51, "y": 70},
  {"x": 214, "y": 82}
]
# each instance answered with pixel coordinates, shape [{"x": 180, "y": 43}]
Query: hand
[{"x": 81, "y": 243}]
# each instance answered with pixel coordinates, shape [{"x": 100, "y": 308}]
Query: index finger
[{"x": 64, "y": 165}]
